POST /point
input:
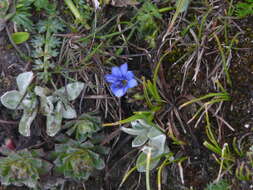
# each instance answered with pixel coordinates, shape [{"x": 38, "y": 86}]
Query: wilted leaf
[
  {"x": 20, "y": 37},
  {"x": 24, "y": 80},
  {"x": 26, "y": 121},
  {"x": 11, "y": 99}
]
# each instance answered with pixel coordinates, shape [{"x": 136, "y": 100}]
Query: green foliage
[
  {"x": 146, "y": 21},
  {"x": 221, "y": 185},
  {"x": 244, "y": 8},
  {"x": 84, "y": 127},
  {"x": 22, "y": 16},
  {"x": 55, "y": 105},
  {"x": 150, "y": 137},
  {"x": 21, "y": 100},
  {"x": 244, "y": 170},
  {"x": 20, "y": 37},
  {"x": 76, "y": 160},
  {"x": 45, "y": 46},
  {"x": 22, "y": 168},
  {"x": 81, "y": 11},
  {"x": 4, "y": 6}
]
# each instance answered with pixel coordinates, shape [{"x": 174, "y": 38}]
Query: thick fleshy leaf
[
  {"x": 132, "y": 131},
  {"x": 140, "y": 124},
  {"x": 97, "y": 161},
  {"x": 139, "y": 141},
  {"x": 29, "y": 103},
  {"x": 46, "y": 105},
  {"x": 158, "y": 143},
  {"x": 54, "y": 120},
  {"x": 142, "y": 161},
  {"x": 11, "y": 99},
  {"x": 26, "y": 121},
  {"x": 68, "y": 112},
  {"x": 72, "y": 90},
  {"x": 24, "y": 80},
  {"x": 40, "y": 91}
]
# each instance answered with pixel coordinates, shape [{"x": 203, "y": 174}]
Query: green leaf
[
  {"x": 24, "y": 80},
  {"x": 26, "y": 121},
  {"x": 20, "y": 37},
  {"x": 68, "y": 112},
  {"x": 132, "y": 131},
  {"x": 182, "y": 5},
  {"x": 11, "y": 99},
  {"x": 158, "y": 144},
  {"x": 142, "y": 161},
  {"x": 4, "y": 6},
  {"x": 72, "y": 90},
  {"x": 139, "y": 141},
  {"x": 54, "y": 120}
]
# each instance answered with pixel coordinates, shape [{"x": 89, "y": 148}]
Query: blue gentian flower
[{"x": 121, "y": 80}]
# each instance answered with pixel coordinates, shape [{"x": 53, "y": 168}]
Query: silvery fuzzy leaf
[
  {"x": 142, "y": 162},
  {"x": 46, "y": 106},
  {"x": 132, "y": 131},
  {"x": 158, "y": 143},
  {"x": 139, "y": 141},
  {"x": 153, "y": 132},
  {"x": 140, "y": 123},
  {"x": 24, "y": 80},
  {"x": 53, "y": 99},
  {"x": 72, "y": 90},
  {"x": 11, "y": 99},
  {"x": 68, "y": 112},
  {"x": 40, "y": 91},
  {"x": 29, "y": 103},
  {"x": 54, "y": 120},
  {"x": 26, "y": 121}
]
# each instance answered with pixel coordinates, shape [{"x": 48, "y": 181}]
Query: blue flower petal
[
  {"x": 118, "y": 91},
  {"x": 116, "y": 71},
  {"x": 111, "y": 78},
  {"x": 132, "y": 83},
  {"x": 129, "y": 75},
  {"x": 123, "y": 69}
]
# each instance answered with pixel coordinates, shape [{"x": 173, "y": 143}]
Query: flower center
[{"x": 124, "y": 82}]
